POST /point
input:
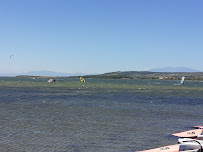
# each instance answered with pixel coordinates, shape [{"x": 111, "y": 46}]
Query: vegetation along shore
[{"x": 149, "y": 75}]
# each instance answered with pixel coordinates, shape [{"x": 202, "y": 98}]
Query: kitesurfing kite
[
  {"x": 50, "y": 80},
  {"x": 189, "y": 141},
  {"x": 82, "y": 79},
  {"x": 11, "y": 56},
  {"x": 182, "y": 80}
]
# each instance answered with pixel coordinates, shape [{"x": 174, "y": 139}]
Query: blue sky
[{"x": 98, "y": 36}]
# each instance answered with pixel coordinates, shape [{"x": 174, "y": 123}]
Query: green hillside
[{"x": 149, "y": 75}]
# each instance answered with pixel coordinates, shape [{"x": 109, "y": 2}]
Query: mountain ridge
[
  {"x": 61, "y": 74},
  {"x": 173, "y": 69},
  {"x": 43, "y": 73}
]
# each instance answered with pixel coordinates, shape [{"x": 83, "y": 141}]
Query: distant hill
[
  {"x": 43, "y": 73},
  {"x": 149, "y": 75},
  {"x": 173, "y": 69},
  {"x": 47, "y": 73}
]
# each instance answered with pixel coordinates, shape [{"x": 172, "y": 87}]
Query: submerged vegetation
[
  {"x": 106, "y": 86},
  {"x": 131, "y": 81}
]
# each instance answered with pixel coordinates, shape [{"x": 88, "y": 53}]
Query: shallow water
[{"x": 100, "y": 115}]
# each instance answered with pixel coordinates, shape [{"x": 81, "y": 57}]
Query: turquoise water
[{"x": 100, "y": 115}]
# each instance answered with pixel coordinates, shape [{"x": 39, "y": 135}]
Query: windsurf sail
[
  {"x": 195, "y": 147},
  {"x": 82, "y": 80},
  {"x": 171, "y": 148},
  {"x": 198, "y": 127},
  {"x": 182, "y": 80},
  {"x": 189, "y": 134}
]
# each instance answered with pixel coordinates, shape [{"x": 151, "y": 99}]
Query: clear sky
[{"x": 98, "y": 36}]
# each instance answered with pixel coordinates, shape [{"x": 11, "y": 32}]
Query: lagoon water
[{"x": 98, "y": 116}]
